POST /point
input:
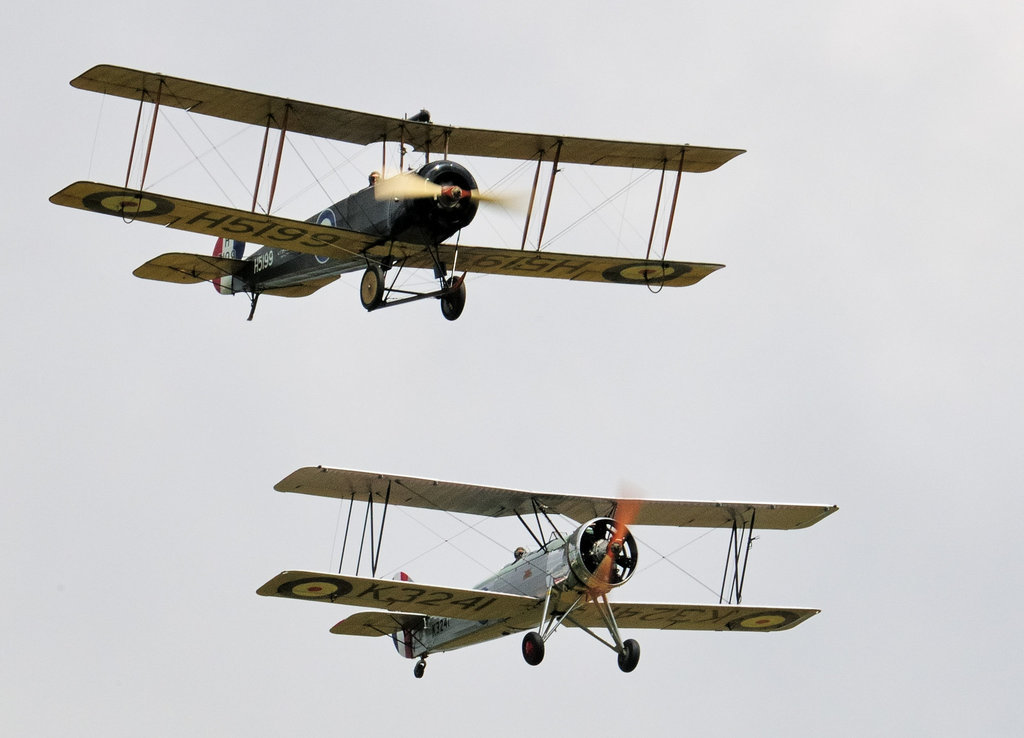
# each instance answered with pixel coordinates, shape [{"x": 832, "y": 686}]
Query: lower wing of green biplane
[{"x": 356, "y": 250}]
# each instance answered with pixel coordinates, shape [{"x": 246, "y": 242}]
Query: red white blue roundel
[{"x": 326, "y": 218}]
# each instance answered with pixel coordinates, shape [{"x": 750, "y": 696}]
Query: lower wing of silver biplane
[
  {"x": 353, "y": 250},
  {"x": 409, "y": 601}
]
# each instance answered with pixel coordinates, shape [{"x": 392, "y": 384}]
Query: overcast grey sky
[{"x": 862, "y": 348}]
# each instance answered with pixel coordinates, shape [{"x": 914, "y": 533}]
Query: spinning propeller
[
  {"x": 620, "y": 551},
  {"x": 411, "y": 186}
]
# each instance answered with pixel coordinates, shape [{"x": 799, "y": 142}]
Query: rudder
[{"x": 228, "y": 248}]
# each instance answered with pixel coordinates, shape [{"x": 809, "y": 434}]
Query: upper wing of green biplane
[
  {"x": 365, "y": 128},
  {"x": 358, "y": 248},
  {"x": 497, "y": 502}
]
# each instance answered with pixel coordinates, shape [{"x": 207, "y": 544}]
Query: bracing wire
[
  {"x": 594, "y": 210},
  {"x": 198, "y": 158},
  {"x": 668, "y": 558}
]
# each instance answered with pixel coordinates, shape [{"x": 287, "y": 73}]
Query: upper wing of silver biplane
[
  {"x": 497, "y": 502},
  {"x": 357, "y": 248},
  {"x": 365, "y": 128}
]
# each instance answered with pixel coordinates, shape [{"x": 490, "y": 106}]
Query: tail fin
[{"x": 229, "y": 249}]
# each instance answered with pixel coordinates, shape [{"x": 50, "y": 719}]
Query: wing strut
[
  {"x": 740, "y": 541},
  {"x": 551, "y": 189},
  {"x": 538, "y": 510},
  {"x": 533, "y": 197},
  {"x": 135, "y": 137},
  {"x": 376, "y": 532},
  {"x": 547, "y": 197},
  {"x": 277, "y": 161},
  {"x": 657, "y": 207},
  {"x": 672, "y": 209},
  {"x": 675, "y": 200}
]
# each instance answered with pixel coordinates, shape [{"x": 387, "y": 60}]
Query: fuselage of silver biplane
[
  {"x": 559, "y": 575},
  {"x": 533, "y": 575}
]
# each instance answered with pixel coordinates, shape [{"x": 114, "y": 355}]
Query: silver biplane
[
  {"x": 566, "y": 580},
  {"x": 396, "y": 224}
]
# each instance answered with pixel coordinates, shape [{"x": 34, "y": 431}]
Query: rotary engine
[
  {"x": 438, "y": 217},
  {"x": 602, "y": 554}
]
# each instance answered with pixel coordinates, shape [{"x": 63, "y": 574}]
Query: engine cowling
[
  {"x": 450, "y": 211},
  {"x": 602, "y": 553}
]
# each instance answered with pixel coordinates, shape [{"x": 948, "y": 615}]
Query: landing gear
[
  {"x": 371, "y": 289},
  {"x": 374, "y": 293},
  {"x": 453, "y": 302},
  {"x": 421, "y": 666},
  {"x": 533, "y": 648},
  {"x": 629, "y": 656}
]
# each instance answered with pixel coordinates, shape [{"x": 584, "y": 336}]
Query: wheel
[
  {"x": 453, "y": 303},
  {"x": 421, "y": 666},
  {"x": 630, "y": 655},
  {"x": 533, "y": 648},
  {"x": 371, "y": 289}
]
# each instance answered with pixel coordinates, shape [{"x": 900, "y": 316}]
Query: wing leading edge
[{"x": 498, "y": 502}]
